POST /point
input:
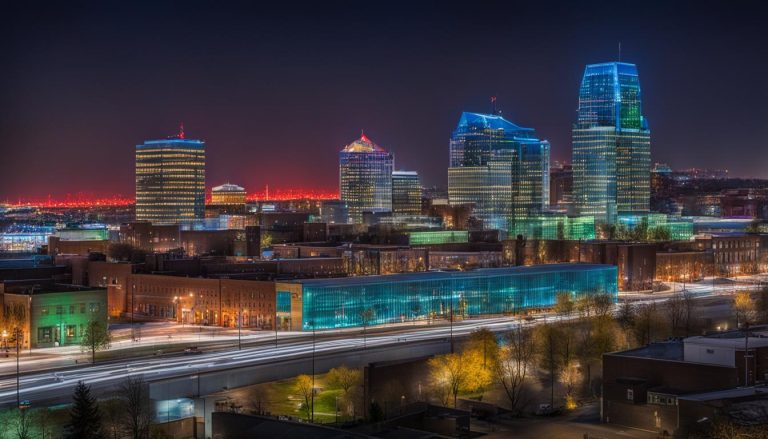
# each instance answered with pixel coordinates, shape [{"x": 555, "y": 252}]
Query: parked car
[{"x": 192, "y": 350}]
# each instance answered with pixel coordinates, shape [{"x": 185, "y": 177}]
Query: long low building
[{"x": 374, "y": 300}]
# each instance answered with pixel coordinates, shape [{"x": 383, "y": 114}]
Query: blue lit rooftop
[
  {"x": 621, "y": 67},
  {"x": 173, "y": 143},
  {"x": 490, "y": 121}
]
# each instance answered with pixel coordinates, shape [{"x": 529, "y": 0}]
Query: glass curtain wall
[{"x": 357, "y": 302}]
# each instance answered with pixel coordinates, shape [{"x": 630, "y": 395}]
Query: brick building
[{"x": 642, "y": 388}]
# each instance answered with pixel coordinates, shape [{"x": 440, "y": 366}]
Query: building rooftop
[
  {"x": 739, "y": 392},
  {"x": 666, "y": 350},
  {"x": 440, "y": 275},
  {"x": 363, "y": 144},
  {"x": 228, "y": 187},
  {"x": 492, "y": 121}
]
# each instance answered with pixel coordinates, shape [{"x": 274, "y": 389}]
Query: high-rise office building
[
  {"x": 406, "y": 193},
  {"x": 611, "y": 144},
  {"x": 500, "y": 167},
  {"x": 365, "y": 178},
  {"x": 170, "y": 180}
]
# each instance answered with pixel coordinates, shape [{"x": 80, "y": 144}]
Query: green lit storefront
[
  {"x": 59, "y": 318},
  {"x": 376, "y": 300}
]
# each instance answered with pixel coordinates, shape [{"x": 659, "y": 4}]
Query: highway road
[
  {"x": 50, "y": 385},
  {"x": 259, "y": 348}
]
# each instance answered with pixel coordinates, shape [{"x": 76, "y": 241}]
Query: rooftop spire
[{"x": 181, "y": 130}]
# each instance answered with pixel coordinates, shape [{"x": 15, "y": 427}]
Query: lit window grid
[
  {"x": 385, "y": 300},
  {"x": 170, "y": 181},
  {"x": 406, "y": 194},
  {"x": 365, "y": 182}
]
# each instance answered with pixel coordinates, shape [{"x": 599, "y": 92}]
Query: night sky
[{"x": 276, "y": 91}]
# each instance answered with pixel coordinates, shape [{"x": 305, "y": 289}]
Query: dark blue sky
[{"x": 278, "y": 90}]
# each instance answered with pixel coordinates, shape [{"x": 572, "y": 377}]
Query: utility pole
[
  {"x": 239, "y": 317},
  {"x": 17, "y": 334},
  {"x": 312, "y": 415},
  {"x": 746, "y": 354},
  {"x": 133, "y": 293},
  {"x": 451, "y": 319}
]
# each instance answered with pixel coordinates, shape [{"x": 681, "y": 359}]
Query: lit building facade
[
  {"x": 406, "y": 193},
  {"x": 228, "y": 194},
  {"x": 376, "y": 300},
  {"x": 500, "y": 167},
  {"x": 227, "y": 199},
  {"x": 365, "y": 178},
  {"x": 611, "y": 144},
  {"x": 170, "y": 180}
]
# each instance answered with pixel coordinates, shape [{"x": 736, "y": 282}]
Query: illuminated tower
[
  {"x": 170, "y": 180},
  {"x": 406, "y": 193},
  {"x": 611, "y": 144},
  {"x": 500, "y": 167},
  {"x": 365, "y": 178}
]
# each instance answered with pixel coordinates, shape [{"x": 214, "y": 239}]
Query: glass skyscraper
[
  {"x": 611, "y": 144},
  {"x": 170, "y": 180},
  {"x": 365, "y": 178},
  {"x": 406, "y": 193},
  {"x": 500, "y": 167}
]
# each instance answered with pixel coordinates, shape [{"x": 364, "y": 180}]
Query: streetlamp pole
[
  {"x": 239, "y": 317},
  {"x": 17, "y": 334},
  {"x": 312, "y": 416},
  {"x": 133, "y": 311},
  {"x": 451, "y": 319}
]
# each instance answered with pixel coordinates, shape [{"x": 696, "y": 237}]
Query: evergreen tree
[{"x": 84, "y": 418}]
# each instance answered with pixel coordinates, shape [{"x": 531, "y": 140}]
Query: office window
[
  {"x": 71, "y": 309},
  {"x": 71, "y": 331},
  {"x": 45, "y": 334},
  {"x": 82, "y": 308},
  {"x": 630, "y": 394}
]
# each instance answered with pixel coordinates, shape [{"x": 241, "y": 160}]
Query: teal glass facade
[
  {"x": 554, "y": 226},
  {"x": 500, "y": 167},
  {"x": 376, "y": 300},
  {"x": 611, "y": 144}
]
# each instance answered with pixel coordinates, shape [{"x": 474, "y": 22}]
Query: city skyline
[{"x": 91, "y": 104}]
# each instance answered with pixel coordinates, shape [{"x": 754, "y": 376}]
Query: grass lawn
[{"x": 285, "y": 400}]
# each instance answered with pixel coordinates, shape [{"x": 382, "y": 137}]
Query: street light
[
  {"x": 239, "y": 317},
  {"x": 133, "y": 311},
  {"x": 312, "y": 416},
  {"x": 17, "y": 335}
]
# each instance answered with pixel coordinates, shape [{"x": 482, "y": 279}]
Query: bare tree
[
  {"x": 564, "y": 304},
  {"x": 744, "y": 307},
  {"x": 95, "y": 338},
  {"x": 511, "y": 369},
  {"x": 675, "y": 311},
  {"x": 449, "y": 372},
  {"x": 688, "y": 311},
  {"x": 347, "y": 380},
  {"x": 138, "y": 410},
  {"x": 646, "y": 324},
  {"x": 305, "y": 389},
  {"x": 258, "y": 398},
  {"x": 547, "y": 338}
]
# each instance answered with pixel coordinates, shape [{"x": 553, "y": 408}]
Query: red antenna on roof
[{"x": 181, "y": 130}]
